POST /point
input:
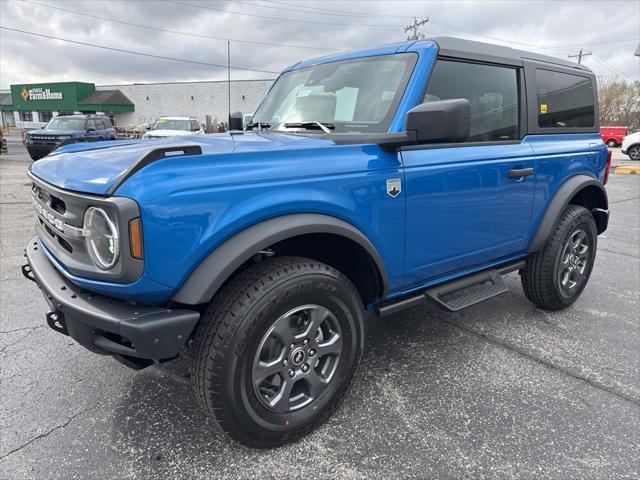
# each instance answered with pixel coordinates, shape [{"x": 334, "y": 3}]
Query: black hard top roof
[{"x": 487, "y": 52}]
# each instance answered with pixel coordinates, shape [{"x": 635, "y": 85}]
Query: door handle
[{"x": 520, "y": 172}]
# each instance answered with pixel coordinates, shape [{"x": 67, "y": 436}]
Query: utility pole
[
  {"x": 413, "y": 31},
  {"x": 579, "y": 55},
  {"x": 229, "y": 79}
]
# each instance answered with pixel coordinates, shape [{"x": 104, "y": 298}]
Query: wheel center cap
[{"x": 298, "y": 356}]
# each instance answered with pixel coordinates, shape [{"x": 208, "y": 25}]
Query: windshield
[
  {"x": 66, "y": 123},
  {"x": 169, "y": 124},
  {"x": 358, "y": 95}
]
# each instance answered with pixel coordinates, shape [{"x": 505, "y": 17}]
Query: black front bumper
[
  {"x": 131, "y": 333},
  {"x": 39, "y": 150}
]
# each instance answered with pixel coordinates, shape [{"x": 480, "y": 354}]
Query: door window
[
  {"x": 564, "y": 100},
  {"x": 91, "y": 124},
  {"x": 492, "y": 92}
]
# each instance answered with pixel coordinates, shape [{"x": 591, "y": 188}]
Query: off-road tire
[
  {"x": 540, "y": 276},
  {"x": 228, "y": 335}
]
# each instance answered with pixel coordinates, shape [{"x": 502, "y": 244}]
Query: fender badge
[{"x": 394, "y": 187}]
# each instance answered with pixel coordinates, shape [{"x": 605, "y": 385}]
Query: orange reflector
[{"x": 135, "y": 238}]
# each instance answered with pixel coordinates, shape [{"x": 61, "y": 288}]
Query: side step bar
[{"x": 459, "y": 293}]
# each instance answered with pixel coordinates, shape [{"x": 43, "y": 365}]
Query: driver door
[{"x": 469, "y": 204}]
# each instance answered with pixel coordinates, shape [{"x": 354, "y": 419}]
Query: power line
[
  {"x": 413, "y": 30},
  {"x": 280, "y": 19},
  {"x": 611, "y": 68},
  {"x": 579, "y": 55},
  {"x": 322, "y": 11},
  {"x": 195, "y": 35},
  {"x": 103, "y": 47}
]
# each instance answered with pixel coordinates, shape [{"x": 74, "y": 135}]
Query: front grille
[
  {"x": 45, "y": 139},
  {"x": 49, "y": 199},
  {"x": 60, "y": 227}
]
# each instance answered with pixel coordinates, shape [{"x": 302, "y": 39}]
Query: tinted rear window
[{"x": 564, "y": 100}]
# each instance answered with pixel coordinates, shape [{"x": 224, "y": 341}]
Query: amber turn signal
[{"x": 135, "y": 238}]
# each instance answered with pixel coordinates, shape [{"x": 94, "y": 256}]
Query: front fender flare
[
  {"x": 560, "y": 201},
  {"x": 220, "y": 264}
]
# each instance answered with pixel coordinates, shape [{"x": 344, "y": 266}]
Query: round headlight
[{"x": 101, "y": 238}]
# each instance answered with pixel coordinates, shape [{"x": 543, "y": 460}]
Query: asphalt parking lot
[{"x": 501, "y": 390}]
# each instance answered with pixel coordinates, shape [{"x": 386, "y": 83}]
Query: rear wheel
[
  {"x": 277, "y": 350},
  {"x": 634, "y": 152},
  {"x": 555, "y": 277},
  {"x": 612, "y": 143}
]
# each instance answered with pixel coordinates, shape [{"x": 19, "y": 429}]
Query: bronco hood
[{"x": 96, "y": 166}]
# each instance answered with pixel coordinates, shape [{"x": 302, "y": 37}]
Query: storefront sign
[{"x": 40, "y": 94}]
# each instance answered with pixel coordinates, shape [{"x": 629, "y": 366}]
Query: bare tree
[{"x": 619, "y": 102}]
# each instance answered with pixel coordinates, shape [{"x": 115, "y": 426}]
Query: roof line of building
[{"x": 180, "y": 83}]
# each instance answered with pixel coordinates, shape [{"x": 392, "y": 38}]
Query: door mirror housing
[
  {"x": 246, "y": 119},
  {"x": 235, "y": 121},
  {"x": 89, "y": 130},
  {"x": 440, "y": 121}
]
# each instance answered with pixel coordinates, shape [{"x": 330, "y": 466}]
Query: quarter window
[
  {"x": 564, "y": 100},
  {"x": 492, "y": 92}
]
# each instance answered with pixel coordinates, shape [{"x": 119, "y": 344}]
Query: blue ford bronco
[
  {"x": 65, "y": 129},
  {"x": 365, "y": 183}
]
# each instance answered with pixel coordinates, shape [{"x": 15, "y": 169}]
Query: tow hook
[
  {"x": 56, "y": 321},
  {"x": 28, "y": 273}
]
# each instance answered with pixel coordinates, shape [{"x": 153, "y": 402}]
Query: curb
[{"x": 627, "y": 169}]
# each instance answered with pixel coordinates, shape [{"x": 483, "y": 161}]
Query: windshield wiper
[
  {"x": 260, "y": 125},
  {"x": 325, "y": 127}
]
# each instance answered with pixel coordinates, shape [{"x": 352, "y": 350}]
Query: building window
[
  {"x": 8, "y": 119},
  {"x": 45, "y": 116},
  {"x": 492, "y": 92},
  {"x": 26, "y": 116},
  {"x": 564, "y": 100}
]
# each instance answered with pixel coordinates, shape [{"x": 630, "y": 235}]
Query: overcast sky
[{"x": 286, "y": 31}]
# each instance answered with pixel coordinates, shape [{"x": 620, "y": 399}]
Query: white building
[
  {"x": 32, "y": 105},
  {"x": 195, "y": 99}
]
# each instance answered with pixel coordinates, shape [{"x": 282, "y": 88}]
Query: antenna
[{"x": 229, "y": 79}]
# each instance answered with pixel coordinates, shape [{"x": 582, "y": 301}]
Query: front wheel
[
  {"x": 277, "y": 350},
  {"x": 634, "y": 152},
  {"x": 612, "y": 143},
  {"x": 555, "y": 276}
]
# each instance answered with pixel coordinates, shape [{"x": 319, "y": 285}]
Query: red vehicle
[{"x": 612, "y": 136}]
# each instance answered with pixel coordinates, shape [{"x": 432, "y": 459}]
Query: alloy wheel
[
  {"x": 297, "y": 358},
  {"x": 573, "y": 262}
]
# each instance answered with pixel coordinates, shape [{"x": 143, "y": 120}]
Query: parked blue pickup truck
[{"x": 370, "y": 181}]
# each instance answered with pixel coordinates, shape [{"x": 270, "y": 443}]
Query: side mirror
[
  {"x": 235, "y": 121},
  {"x": 246, "y": 120},
  {"x": 91, "y": 130},
  {"x": 440, "y": 121}
]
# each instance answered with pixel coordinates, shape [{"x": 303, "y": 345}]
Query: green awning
[{"x": 106, "y": 101}]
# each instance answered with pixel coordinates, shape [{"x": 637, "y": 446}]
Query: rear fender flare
[{"x": 559, "y": 202}]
